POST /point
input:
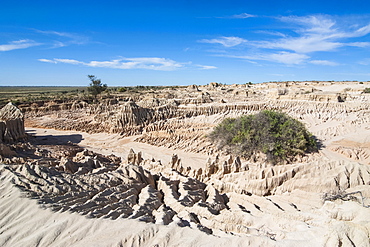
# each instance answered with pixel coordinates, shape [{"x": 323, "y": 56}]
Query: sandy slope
[
  {"x": 24, "y": 223},
  {"x": 291, "y": 219}
]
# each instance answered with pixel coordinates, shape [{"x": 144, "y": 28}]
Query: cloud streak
[
  {"x": 225, "y": 41},
  {"x": 148, "y": 63},
  {"x": 243, "y": 16},
  {"x": 64, "y": 38},
  {"x": 300, "y": 39},
  {"x": 287, "y": 58},
  {"x": 206, "y": 67},
  {"x": 18, "y": 44},
  {"x": 315, "y": 34},
  {"x": 324, "y": 62},
  {"x": 238, "y": 16}
]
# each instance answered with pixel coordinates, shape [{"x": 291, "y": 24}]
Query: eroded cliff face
[
  {"x": 181, "y": 118},
  {"x": 11, "y": 124},
  {"x": 130, "y": 118}
]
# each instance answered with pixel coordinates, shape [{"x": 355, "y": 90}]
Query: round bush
[{"x": 273, "y": 133}]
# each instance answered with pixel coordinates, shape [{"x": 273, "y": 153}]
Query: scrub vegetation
[{"x": 273, "y": 133}]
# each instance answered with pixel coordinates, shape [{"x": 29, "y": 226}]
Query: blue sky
[{"x": 59, "y": 43}]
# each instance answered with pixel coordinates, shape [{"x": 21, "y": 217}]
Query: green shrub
[
  {"x": 367, "y": 90},
  {"x": 276, "y": 134},
  {"x": 122, "y": 89}
]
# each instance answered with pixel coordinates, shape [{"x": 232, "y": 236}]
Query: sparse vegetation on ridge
[
  {"x": 96, "y": 87},
  {"x": 31, "y": 94},
  {"x": 26, "y": 94},
  {"x": 275, "y": 134}
]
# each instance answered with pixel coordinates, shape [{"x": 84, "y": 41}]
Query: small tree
[{"x": 96, "y": 87}]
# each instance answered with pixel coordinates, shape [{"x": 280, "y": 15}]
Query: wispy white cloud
[
  {"x": 311, "y": 24},
  {"x": 225, "y": 41},
  {"x": 205, "y": 67},
  {"x": 62, "y": 39},
  {"x": 242, "y": 16},
  {"x": 301, "y": 38},
  {"x": 287, "y": 58},
  {"x": 61, "y": 34},
  {"x": 315, "y": 34},
  {"x": 238, "y": 16},
  {"x": 359, "y": 44},
  {"x": 18, "y": 44},
  {"x": 273, "y": 33},
  {"x": 306, "y": 44},
  {"x": 47, "y": 60},
  {"x": 152, "y": 63},
  {"x": 149, "y": 63},
  {"x": 361, "y": 31},
  {"x": 60, "y": 60},
  {"x": 59, "y": 44},
  {"x": 76, "y": 38},
  {"x": 70, "y": 61},
  {"x": 324, "y": 62}
]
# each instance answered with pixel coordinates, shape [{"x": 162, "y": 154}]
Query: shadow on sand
[
  {"x": 56, "y": 139},
  {"x": 319, "y": 144}
]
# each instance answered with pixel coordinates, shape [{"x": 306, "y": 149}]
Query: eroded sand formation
[
  {"x": 11, "y": 124},
  {"x": 182, "y": 200}
]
